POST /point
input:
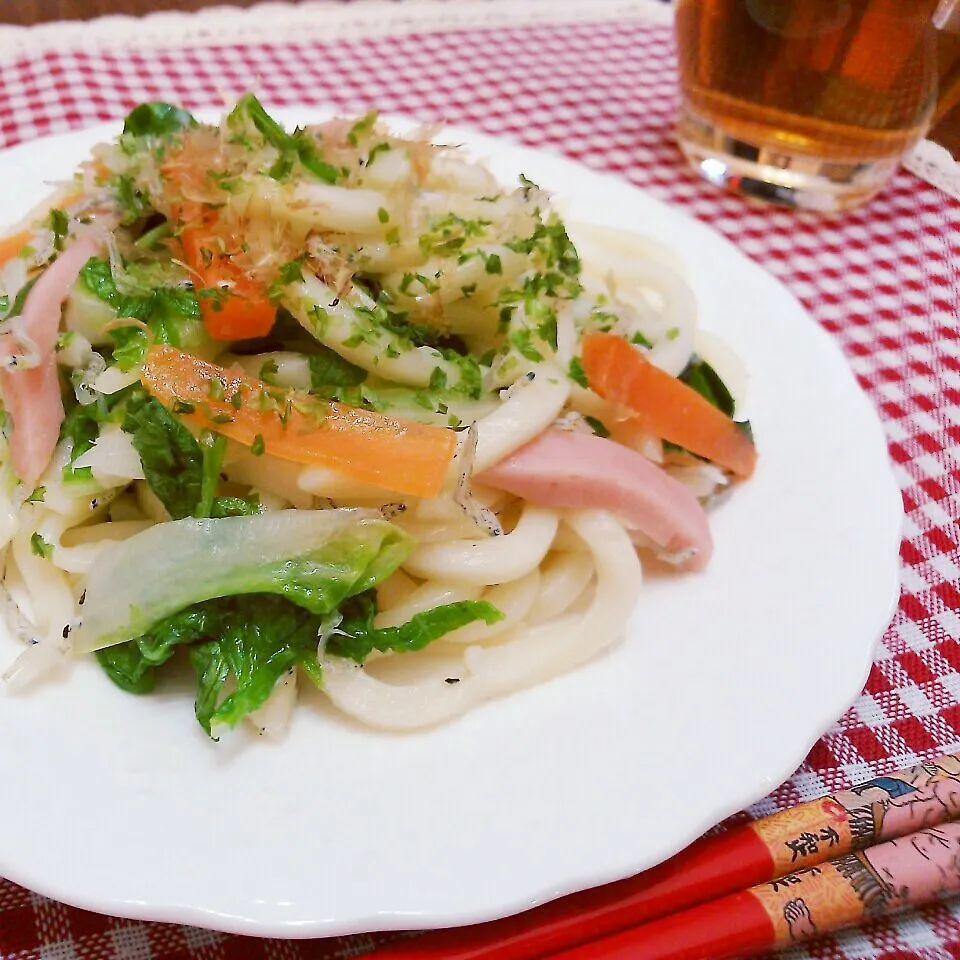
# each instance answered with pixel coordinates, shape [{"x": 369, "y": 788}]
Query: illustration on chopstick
[
  {"x": 880, "y": 809},
  {"x": 877, "y": 881}
]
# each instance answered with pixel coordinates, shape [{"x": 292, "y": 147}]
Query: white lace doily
[
  {"x": 936, "y": 165},
  {"x": 313, "y": 20}
]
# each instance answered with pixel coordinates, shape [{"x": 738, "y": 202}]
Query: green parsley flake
[
  {"x": 438, "y": 378},
  {"x": 41, "y": 547},
  {"x": 215, "y": 389},
  {"x": 493, "y": 264},
  {"x": 363, "y": 126},
  {"x": 521, "y": 340},
  {"x": 60, "y": 225},
  {"x": 378, "y": 149},
  {"x": 576, "y": 373},
  {"x": 597, "y": 426}
]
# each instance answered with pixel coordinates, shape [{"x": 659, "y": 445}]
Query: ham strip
[
  {"x": 571, "y": 469},
  {"x": 39, "y": 323},
  {"x": 31, "y": 396}
]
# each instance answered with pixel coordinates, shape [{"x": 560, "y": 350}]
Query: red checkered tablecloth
[{"x": 602, "y": 89}]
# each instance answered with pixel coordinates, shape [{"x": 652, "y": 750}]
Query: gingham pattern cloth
[{"x": 882, "y": 281}]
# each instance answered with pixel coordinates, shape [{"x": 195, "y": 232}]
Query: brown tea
[{"x": 820, "y": 89}]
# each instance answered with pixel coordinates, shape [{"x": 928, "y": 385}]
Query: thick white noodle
[
  {"x": 395, "y": 589},
  {"x": 459, "y": 528},
  {"x": 331, "y": 485},
  {"x": 274, "y": 716},
  {"x": 673, "y": 341},
  {"x": 535, "y": 655},
  {"x": 343, "y": 209},
  {"x": 513, "y": 599},
  {"x": 150, "y": 503},
  {"x": 51, "y": 609},
  {"x": 431, "y": 594},
  {"x": 729, "y": 366},
  {"x": 18, "y": 590},
  {"x": 566, "y": 335},
  {"x": 9, "y": 508},
  {"x": 591, "y": 404},
  {"x": 73, "y": 560},
  {"x": 560, "y": 645},
  {"x": 528, "y": 411},
  {"x": 439, "y": 510},
  {"x": 389, "y": 168},
  {"x": 113, "y": 379},
  {"x": 563, "y": 577},
  {"x": 647, "y": 278},
  {"x": 380, "y": 350},
  {"x": 292, "y": 369},
  {"x": 79, "y": 547},
  {"x": 267, "y": 475},
  {"x": 16, "y": 604},
  {"x": 491, "y": 560},
  {"x": 567, "y": 541}
]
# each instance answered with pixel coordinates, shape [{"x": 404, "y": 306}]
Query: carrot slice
[
  {"x": 409, "y": 458},
  {"x": 12, "y": 245},
  {"x": 664, "y": 405},
  {"x": 233, "y": 306}
]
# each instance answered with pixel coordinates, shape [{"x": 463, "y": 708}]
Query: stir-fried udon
[{"x": 334, "y": 406}]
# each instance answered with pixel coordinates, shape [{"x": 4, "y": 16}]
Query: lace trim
[
  {"x": 935, "y": 164},
  {"x": 315, "y": 19}
]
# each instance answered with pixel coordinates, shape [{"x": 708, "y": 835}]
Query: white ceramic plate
[{"x": 119, "y": 804}]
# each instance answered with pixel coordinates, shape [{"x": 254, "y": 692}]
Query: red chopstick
[
  {"x": 773, "y": 847},
  {"x": 878, "y": 881}
]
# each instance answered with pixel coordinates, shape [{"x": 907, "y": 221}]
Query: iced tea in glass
[{"x": 811, "y": 103}]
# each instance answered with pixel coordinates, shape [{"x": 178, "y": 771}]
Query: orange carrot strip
[
  {"x": 664, "y": 405},
  {"x": 12, "y": 245},
  {"x": 238, "y": 307},
  {"x": 409, "y": 458}
]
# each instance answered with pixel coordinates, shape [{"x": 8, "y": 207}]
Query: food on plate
[{"x": 334, "y": 406}]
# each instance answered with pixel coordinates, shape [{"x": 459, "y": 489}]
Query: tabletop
[{"x": 596, "y": 81}]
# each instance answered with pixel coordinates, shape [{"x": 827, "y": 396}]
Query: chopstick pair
[
  {"x": 877, "y": 881},
  {"x": 876, "y": 848}
]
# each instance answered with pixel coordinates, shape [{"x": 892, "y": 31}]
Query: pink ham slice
[
  {"x": 31, "y": 396},
  {"x": 564, "y": 468}
]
